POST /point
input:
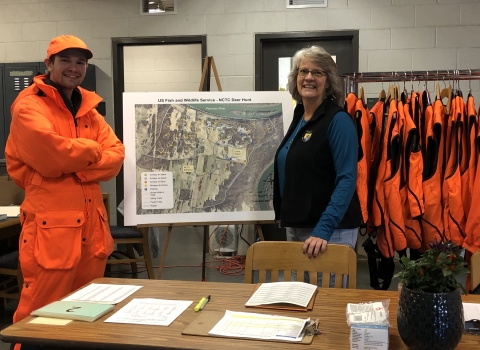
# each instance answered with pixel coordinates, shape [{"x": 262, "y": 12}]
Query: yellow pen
[{"x": 199, "y": 305}]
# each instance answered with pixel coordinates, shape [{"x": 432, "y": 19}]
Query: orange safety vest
[
  {"x": 394, "y": 219},
  {"x": 432, "y": 219},
  {"x": 472, "y": 239},
  {"x": 453, "y": 212},
  {"x": 350, "y": 104},
  {"x": 411, "y": 190},
  {"x": 376, "y": 112},
  {"x": 379, "y": 213},
  {"x": 364, "y": 156},
  {"x": 469, "y": 156}
]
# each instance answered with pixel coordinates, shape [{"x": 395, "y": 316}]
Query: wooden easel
[
  {"x": 208, "y": 67},
  {"x": 205, "y": 238}
]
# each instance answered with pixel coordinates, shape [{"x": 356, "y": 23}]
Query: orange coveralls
[{"x": 65, "y": 238}]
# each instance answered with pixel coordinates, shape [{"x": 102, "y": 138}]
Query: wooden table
[
  {"x": 9, "y": 222},
  {"x": 329, "y": 306}
]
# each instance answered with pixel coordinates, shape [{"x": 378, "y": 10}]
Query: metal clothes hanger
[
  {"x": 382, "y": 96},
  {"x": 470, "y": 83}
]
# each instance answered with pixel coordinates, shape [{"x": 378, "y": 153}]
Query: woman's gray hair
[{"x": 321, "y": 58}]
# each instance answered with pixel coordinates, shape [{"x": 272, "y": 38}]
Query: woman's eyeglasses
[{"x": 315, "y": 73}]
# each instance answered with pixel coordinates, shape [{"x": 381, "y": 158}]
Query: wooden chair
[
  {"x": 275, "y": 256},
  {"x": 475, "y": 269},
  {"x": 11, "y": 279}
]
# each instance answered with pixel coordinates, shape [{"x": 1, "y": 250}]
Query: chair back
[
  {"x": 275, "y": 256},
  {"x": 10, "y": 287}
]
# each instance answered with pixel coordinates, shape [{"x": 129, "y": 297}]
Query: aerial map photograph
[{"x": 214, "y": 152}]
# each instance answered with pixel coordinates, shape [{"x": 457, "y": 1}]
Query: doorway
[
  {"x": 118, "y": 62},
  {"x": 273, "y": 51}
]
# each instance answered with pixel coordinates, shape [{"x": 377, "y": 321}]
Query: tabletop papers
[
  {"x": 260, "y": 326},
  {"x": 12, "y": 211},
  {"x": 103, "y": 293},
  {"x": 471, "y": 311},
  {"x": 368, "y": 313},
  {"x": 146, "y": 311},
  {"x": 297, "y": 293}
]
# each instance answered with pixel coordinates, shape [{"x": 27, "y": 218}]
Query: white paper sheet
[
  {"x": 260, "y": 326},
  {"x": 471, "y": 311},
  {"x": 297, "y": 293},
  {"x": 157, "y": 312},
  {"x": 103, "y": 293},
  {"x": 12, "y": 211}
]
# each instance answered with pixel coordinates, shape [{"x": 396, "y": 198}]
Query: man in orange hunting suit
[{"x": 59, "y": 149}]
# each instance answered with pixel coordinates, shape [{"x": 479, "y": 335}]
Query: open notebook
[{"x": 284, "y": 295}]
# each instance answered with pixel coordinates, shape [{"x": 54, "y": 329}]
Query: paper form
[
  {"x": 298, "y": 293},
  {"x": 157, "y": 312},
  {"x": 260, "y": 326},
  {"x": 103, "y": 293},
  {"x": 471, "y": 311},
  {"x": 12, "y": 211}
]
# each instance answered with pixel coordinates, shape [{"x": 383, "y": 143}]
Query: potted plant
[{"x": 430, "y": 311}]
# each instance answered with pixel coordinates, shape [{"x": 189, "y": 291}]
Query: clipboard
[
  {"x": 285, "y": 306},
  {"x": 208, "y": 319}
]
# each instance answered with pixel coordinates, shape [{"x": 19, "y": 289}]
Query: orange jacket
[
  {"x": 472, "y": 239},
  {"x": 59, "y": 165},
  {"x": 385, "y": 240},
  {"x": 453, "y": 212},
  {"x": 469, "y": 155},
  {"x": 393, "y": 215},
  {"x": 350, "y": 104},
  {"x": 411, "y": 189},
  {"x": 364, "y": 159},
  {"x": 432, "y": 220},
  {"x": 377, "y": 112}
]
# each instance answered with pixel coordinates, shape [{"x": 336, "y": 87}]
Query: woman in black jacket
[{"x": 316, "y": 163}]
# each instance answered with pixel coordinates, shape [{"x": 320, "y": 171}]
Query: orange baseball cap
[{"x": 64, "y": 42}]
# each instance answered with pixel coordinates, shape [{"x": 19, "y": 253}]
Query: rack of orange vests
[{"x": 418, "y": 170}]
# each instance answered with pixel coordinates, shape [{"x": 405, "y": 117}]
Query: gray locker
[{"x": 17, "y": 77}]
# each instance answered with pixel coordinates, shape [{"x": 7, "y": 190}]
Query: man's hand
[{"x": 314, "y": 246}]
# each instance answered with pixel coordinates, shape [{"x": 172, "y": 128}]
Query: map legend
[{"x": 157, "y": 190}]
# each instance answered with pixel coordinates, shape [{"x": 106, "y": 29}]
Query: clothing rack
[{"x": 399, "y": 76}]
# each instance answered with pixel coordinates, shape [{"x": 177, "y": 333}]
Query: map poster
[{"x": 201, "y": 157}]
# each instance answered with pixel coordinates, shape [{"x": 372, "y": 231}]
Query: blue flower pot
[{"x": 430, "y": 320}]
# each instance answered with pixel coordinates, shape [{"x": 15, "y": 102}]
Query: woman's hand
[{"x": 313, "y": 246}]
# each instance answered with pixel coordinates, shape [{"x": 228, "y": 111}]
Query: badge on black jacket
[{"x": 307, "y": 135}]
